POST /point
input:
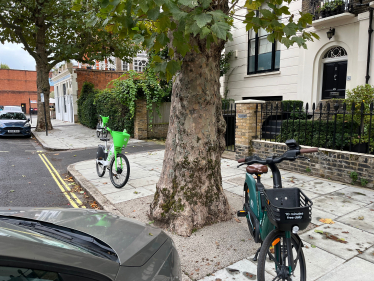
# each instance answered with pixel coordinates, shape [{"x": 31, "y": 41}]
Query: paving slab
[
  {"x": 356, "y": 239},
  {"x": 126, "y": 195},
  {"x": 144, "y": 181},
  {"x": 227, "y": 172},
  {"x": 105, "y": 186},
  {"x": 336, "y": 205},
  {"x": 357, "y": 193},
  {"x": 320, "y": 214},
  {"x": 243, "y": 270},
  {"x": 322, "y": 187},
  {"x": 361, "y": 218},
  {"x": 237, "y": 180},
  {"x": 355, "y": 269},
  {"x": 368, "y": 255}
]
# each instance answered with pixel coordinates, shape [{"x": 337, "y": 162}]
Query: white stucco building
[{"x": 266, "y": 71}]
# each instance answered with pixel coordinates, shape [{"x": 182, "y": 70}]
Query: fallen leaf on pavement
[
  {"x": 11, "y": 190},
  {"x": 361, "y": 218},
  {"x": 328, "y": 221},
  {"x": 56, "y": 154},
  {"x": 237, "y": 220},
  {"x": 250, "y": 276},
  {"x": 318, "y": 231},
  {"x": 359, "y": 251},
  {"x": 105, "y": 183},
  {"x": 306, "y": 246},
  {"x": 150, "y": 234},
  {"x": 345, "y": 232},
  {"x": 313, "y": 246}
]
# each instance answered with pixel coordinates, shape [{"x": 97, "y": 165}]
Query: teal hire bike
[
  {"x": 112, "y": 158},
  {"x": 275, "y": 216}
]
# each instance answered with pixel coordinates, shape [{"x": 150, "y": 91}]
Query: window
[
  {"x": 139, "y": 64},
  {"x": 263, "y": 56},
  {"x": 125, "y": 66},
  {"x": 64, "y": 96},
  {"x": 17, "y": 273}
]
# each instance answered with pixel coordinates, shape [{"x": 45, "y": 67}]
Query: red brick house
[{"x": 17, "y": 87}]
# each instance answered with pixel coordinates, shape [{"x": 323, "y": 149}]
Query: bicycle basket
[
  {"x": 287, "y": 207},
  {"x": 105, "y": 120},
  {"x": 120, "y": 139}
]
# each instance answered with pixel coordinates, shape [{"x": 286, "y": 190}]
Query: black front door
[
  {"x": 334, "y": 78},
  {"x": 23, "y": 107}
]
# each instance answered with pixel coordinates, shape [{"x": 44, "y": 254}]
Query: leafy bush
[
  {"x": 108, "y": 105},
  {"x": 86, "y": 108},
  {"x": 316, "y": 133},
  {"x": 295, "y": 107}
]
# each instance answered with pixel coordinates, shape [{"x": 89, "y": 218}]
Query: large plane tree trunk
[
  {"x": 189, "y": 192},
  {"x": 42, "y": 72}
]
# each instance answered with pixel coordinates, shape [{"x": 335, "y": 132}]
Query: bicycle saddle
[
  {"x": 105, "y": 139},
  {"x": 257, "y": 169}
]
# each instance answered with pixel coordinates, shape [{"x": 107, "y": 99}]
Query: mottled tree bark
[{"x": 189, "y": 192}]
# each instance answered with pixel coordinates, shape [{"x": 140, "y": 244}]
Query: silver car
[{"x": 82, "y": 245}]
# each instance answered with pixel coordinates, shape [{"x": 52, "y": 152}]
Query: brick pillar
[
  {"x": 141, "y": 120},
  {"x": 246, "y": 126}
]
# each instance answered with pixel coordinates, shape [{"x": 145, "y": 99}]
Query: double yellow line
[{"x": 73, "y": 199}]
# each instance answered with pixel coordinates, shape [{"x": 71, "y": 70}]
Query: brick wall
[
  {"x": 158, "y": 131},
  {"x": 17, "y": 86},
  {"x": 141, "y": 120},
  {"x": 329, "y": 164},
  {"x": 99, "y": 78}
]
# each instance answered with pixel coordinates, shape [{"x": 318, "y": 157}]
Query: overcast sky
[{"x": 15, "y": 57}]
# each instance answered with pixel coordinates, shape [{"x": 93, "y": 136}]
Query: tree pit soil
[{"x": 208, "y": 249}]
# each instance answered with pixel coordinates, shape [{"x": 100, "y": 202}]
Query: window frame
[{"x": 256, "y": 39}]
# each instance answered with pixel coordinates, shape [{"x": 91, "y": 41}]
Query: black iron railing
[
  {"x": 332, "y": 125},
  {"x": 328, "y": 8},
  {"x": 229, "y": 114}
]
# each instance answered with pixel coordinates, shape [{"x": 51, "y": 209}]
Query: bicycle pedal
[{"x": 242, "y": 213}]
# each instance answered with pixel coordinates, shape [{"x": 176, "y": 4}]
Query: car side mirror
[{"x": 28, "y": 119}]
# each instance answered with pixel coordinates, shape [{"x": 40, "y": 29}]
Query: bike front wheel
[
  {"x": 273, "y": 261},
  {"x": 119, "y": 170}
]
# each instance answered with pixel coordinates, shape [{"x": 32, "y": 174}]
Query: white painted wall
[
  {"x": 278, "y": 83},
  {"x": 300, "y": 75}
]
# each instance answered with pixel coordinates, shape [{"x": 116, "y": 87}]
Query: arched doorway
[{"x": 334, "y": 77}]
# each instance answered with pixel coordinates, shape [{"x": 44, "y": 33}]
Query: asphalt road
[{"x": 33, "y": 177}]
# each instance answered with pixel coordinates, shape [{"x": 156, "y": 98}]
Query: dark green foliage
[
  {"x": 224, "y": 64},
  {"x": 86, "y": 108},
  {"x": 108, "y": 105},
  {"x": 319, "y": 134},
  {"x": 295, "y": 107},
  {"x": 226, "y": 102}
]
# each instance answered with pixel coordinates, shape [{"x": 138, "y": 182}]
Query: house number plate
[
  {"x": 242, "y": 115},
  {"x": 334, "y": 93}
]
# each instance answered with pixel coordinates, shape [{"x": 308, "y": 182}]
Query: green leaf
[
  {"x": 204, "y": 32},
  {"x": 157, "y": 59},
  {"x": 163, "y": 22},
  {"x": 266, "y": 13},
  {"x": 271, "y": 37},
  {"x": 205, "y": 3},
  {"x": 218, "y": 15},
  {"x": 318, "y": 231},
  {"x": 188, "y": 3},
  {"x": 154, "y": 13},
  {"x": 290, "y": 29},
  {"x": 313, "y": 246},
  {"x": 202, "y": 19},
  {"x": 194, "y": 28},
  {"x": 144, "y": 6},
  {"x": 220, "y": 29},
  {"x": 162, "y": 39},
  {"x": 159, "y": 2},
  {"x": 172, "y": 68},
  {"x": 161, "y": 67},
  {"x": 179, "y": 42}
]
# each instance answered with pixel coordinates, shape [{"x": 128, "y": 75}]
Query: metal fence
[
  {"x": 339, "y": 126},
  {"x": 327, "y": 8},
  {"x": 229, "y": 114}
]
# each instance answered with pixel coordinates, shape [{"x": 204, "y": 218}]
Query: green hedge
[
  {"x": 298, "y": 130},
  {"x": 119, "y": 115},
  {"x": 86, "y": 108},
  {"x": 293, "y": 105}
]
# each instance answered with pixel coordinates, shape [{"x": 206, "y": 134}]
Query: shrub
[
  {"x": 316, "y": 133},
  {"x": 108, "y": 105},
  {"x": 86, "y": 108},
  {"x": 295, "y": 107}
]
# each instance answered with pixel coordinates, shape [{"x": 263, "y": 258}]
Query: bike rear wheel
[
  {"x": 119, "y": 170},
  {"x": 273, "y": 259},
  {"x": 100, "y": 169}
]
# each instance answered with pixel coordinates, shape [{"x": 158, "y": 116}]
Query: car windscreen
[{"x": 12, "y": 116}]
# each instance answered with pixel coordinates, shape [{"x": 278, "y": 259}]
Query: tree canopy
[
  {"x": 174, "y": 21},
  {"x": 4, "y": 66}
]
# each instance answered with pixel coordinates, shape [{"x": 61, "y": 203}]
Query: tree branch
[{"x": 18, "y": 31}]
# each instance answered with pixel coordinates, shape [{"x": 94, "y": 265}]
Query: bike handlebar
[
  {"x": 308, "y": 150},
  {"x": 290, "y": 155}
]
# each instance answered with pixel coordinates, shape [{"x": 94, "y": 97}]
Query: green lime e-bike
[
  {"x": 275, "y": 216},
  {"x": 112, "y": 158}
]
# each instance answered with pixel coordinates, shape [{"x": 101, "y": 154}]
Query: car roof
[{"x": 12, "y": 108}]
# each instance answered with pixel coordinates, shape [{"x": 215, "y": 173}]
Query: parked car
[
  {"x": 83, "y": 245},
  {"x": 14, "y": 124},
  {"x": 13, "y": 108}
]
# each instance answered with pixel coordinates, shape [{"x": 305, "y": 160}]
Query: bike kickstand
[{"x": 256, "y": 255}]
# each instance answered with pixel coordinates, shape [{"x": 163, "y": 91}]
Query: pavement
[{"x": 224, "y": 251}]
